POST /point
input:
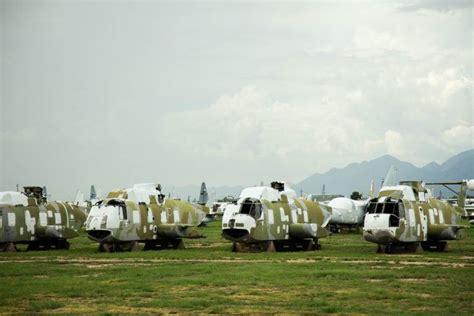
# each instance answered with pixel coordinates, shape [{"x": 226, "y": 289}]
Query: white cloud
[
  {"x": 459, "y": 136},
  {"x": 325, "y": 84},
  {"x": 394, "y": 142},
  {"x": 369, "y": 42},
  {"x": 252, "y": 127}
]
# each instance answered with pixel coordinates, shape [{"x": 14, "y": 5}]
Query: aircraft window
[
  {"x": 252, "y": 208},
  {"x": 390, "y": 208},
  {"x": 123, "y": 212},
  {"x": 379, "y": 208},
  {"x": 394, "y": 221},
  {"x": 371, "y": 208},
  {"x": 122, "y": 209},
  {"x": 161, "y": 198}
]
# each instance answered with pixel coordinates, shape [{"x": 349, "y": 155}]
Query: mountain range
[{"x": 357, "y": 177}]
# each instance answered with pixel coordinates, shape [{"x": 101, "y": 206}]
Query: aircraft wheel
[
  {"x": 389, "y": 248},
  {"x": 45, "y": 246},
  {"x": 279, "y": 246},
  {"x": 385, "y": 249},
  {"x": 62, "y": 244},
  {"x": 270, "y": 246},
  {"x": 316, "y": 245},
  {"x": 308, "y": 245},
  {"x": 8, "y": 247},
  {"x": 414, "y": 247},
  {"x": 106, "y": 247},
  {"x": 178, "y": 244},
  {"x": 425, "y": 246},
  {"x": 442, "y": 246},
  {"x": 134, "y": 246},
  {"x": 149, "y": 246},
  {"x": 380, "y": 248},
  {"x": 237, "y": 247},
  {"x": 32, "y": 246}
]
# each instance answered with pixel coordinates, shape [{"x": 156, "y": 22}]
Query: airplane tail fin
[
  {"x": 391, "y": 178},
  {"x": 203, "y": 195},
  {"x": 372, "y": 189},
  {"x": 93, "y": 193},
  {"x": 79, "y": 199},
  {"x": 465, "y": 185}
]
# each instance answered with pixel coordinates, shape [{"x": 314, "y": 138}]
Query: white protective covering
[
  {"x": 266, "y": 193},
  {"x": 342, "y": 203},
  {"x": 470, "y": 184},
  {"x": 141, "y": 192},
  {"x": 13, "y": 198},
  {"x": 347, "y": 211},
  {"x": 290, "y": 193},
  {"x": 407, "y": 192},
  {"x": 229, "y": 211}
]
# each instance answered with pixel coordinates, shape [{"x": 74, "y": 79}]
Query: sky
[{"x": 113, "y": 93}]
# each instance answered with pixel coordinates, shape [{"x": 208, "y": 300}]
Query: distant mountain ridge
[{"x": 357, "y": 176}]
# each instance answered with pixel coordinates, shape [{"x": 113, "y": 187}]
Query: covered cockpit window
[
  {"x": 122, "y": 209},
  {"x": 394, "y": 208},
  {"x": 252, "y": 207}
]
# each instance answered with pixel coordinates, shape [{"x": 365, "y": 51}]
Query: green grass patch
[{"x": 345, "y": 276}]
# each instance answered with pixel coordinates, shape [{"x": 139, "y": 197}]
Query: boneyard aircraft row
[
  {"x": 28, "y": 218},
  {"x": 404, "y": 216}
]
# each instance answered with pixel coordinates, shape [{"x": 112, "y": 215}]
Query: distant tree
[{"x": 356, "y": 196}]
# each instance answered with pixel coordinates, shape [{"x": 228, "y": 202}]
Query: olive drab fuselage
[
  {"x": 393, "y": 219},
  {"x": 274, "y": 220},
  {"x": 40, "y": 223}
]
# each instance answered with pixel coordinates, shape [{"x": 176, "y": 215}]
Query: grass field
[{"x": 345, "y": 276}]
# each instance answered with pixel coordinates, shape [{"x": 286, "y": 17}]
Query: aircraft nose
[
  {"x": 100, "y": 235},
  {"x": 379, "y": 236},
  {"x": 237, "y": 234}
]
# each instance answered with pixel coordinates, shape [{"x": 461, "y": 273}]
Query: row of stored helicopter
[{"x": 404, "y": 215}]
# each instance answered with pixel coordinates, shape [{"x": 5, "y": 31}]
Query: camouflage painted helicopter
[
  {"x": 143, "y": 214},
  {"x": 407, "y": 216},
  {"x": 28, "y": 218},
  {"x": 272, "y": 218}
]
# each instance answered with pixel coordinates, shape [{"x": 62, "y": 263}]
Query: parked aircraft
[
  {"x": 219, "y": 206},
  {"x": 347, "y": 212},
  {"x": 407, "y": 216},
  {"x": 273, "y": 218},
  {"x": 143, "y": 214},
  {"x": 28, "y": 218}
]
